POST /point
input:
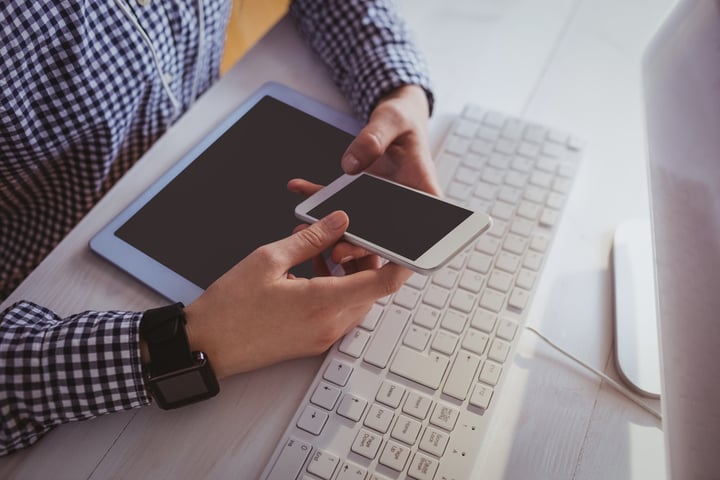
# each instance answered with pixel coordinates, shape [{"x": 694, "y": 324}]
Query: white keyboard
[{"x": 410, "y": 392}]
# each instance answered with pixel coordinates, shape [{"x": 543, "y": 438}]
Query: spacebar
[
  {"x": 386, "y": 337},
  {"x": 423, "y": 369}
]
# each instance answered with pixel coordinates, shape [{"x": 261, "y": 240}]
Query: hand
[
  {"x": 394, "y": 144},
  {"x": 351, "y": 257},
  {"x": 256, "y": 314}
]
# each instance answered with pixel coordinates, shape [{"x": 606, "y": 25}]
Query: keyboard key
[
  {"x": 417, "y": 405},
  {"x": 422, "y": 467},
  {"x": 291, "y": 459},
  {"x": 436, "y": 296},
  {"x": 480, "y": 262},
  {"x": 417, "y": 281},
  {"x": 352, "y": 407},
  {"x": 417, "y": 338},
  {"x": 390, "y": 394},
  {"x": 351, "y": 471},
  {"x": 519, "y": 298},
  {"x": 372, "y": 317},
  {"x": 445, "y": 278},
  {"x": 528, "y": 210},
  {"x": 549, "y": 217},
  {"x": 490, "y": 372},
  {"x": 424, "y": 369},
  {"x": 507, "y": 328},
  {"x": 466, "y": 175},
  {"x": 475, "y": 341},
  {"x": 387, "y": 336},
  {"x": 337, "y": 372},
  {"x": 434, "y": 441},
  {"x": 323, "y": 464},
  {"x": 444, "y": 417},
  {"x": 472, "y": 281},
  {"x": 457, "y": 145},
  {"x": 464, "y": 128},
  {"x": 312, "y": 420},
  {"x": 407, "y": 297},
  {"x": 463, "y": 301},
  {"x": 354, "y": 342},
  {"x": 533, "y": 261},
  {"x": 492, "y": 300},
  {"x": 539, "y": 242},
  {"x": 502, "y": 210},
  {"x": 498, "y": 228},
  {"x": 542, "y": 179},
  {"x": 481, "y": 396},
  {"x": 510, "y": 195},
  {"x": 499, "y": 350},
  {"x": 406, "y": 430},
  {"x": 426, "y": 316},
  {"x": 379, "y": 418},
  {"x": 454, "y": 321},
  {"x": 535, "y": 194},
  {"x": 508, "y": 262},
  {"x": 525, "y": 279},
  {"x": 484, "y": 320},
  {"x": 486, "y": 191},
  {"x": 458, "y": 261},
  {"x": 325, "y": 396},
  {"x": 522, "y": 227},
  {"x": 444, "y": 342},
  {"x": 366, "y": 443},
  {"x": 561, "y": 185},
  {"x": 555, "y": 200},
  {"x": 500, "y": 281},
  {"x": 462, "y": 375},
  {"x": 494, "y": 119},
  {"x": 459, "y": 191},
  {"x": 395, "y": 456},
  {"x": 515, "y": 244},
  {"x": 488, "y": 245}
]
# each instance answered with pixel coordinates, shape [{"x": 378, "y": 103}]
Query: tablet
[{"x": 227, "y": 195}]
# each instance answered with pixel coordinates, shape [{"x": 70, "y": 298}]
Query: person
[{"x": 87, "y": 88}]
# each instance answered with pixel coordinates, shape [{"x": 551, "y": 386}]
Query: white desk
[{"x": 572, "y": 64}]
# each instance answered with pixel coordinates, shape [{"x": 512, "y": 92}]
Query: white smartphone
[{"x": 403, "y": 225}]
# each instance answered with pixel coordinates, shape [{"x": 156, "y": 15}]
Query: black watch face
[{"x": 185, "y": 386}]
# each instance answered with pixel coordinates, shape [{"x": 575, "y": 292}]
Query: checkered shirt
[{"x": 85, "y": 89}]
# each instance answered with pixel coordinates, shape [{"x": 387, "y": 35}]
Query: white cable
[
  {"x": 155, "y": 56},
  {"x": 612, "y": 382},
  {"x": 200, "y": 59}
]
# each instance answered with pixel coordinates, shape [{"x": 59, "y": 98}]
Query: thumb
[
  {"x": 372, "y": 141},
  {"x": 311, "y": 241}
]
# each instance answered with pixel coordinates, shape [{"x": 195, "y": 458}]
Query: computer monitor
[{"x": 681, "y": 75}]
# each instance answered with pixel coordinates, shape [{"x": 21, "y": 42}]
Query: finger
[
  {"x": 384, "y": 127},
  {"x": 307, "y": 242},
  {"x": 302, "y": 186},
  {"x": 364, "y": 286},
  {"x": 344, "y": 252},
  {"x": 320, "y": 266}
]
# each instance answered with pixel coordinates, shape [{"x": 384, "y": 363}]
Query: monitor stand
[{"x": 636, "y": 337}]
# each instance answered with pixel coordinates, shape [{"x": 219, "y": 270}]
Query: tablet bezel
[{"x": 146, "y": 269}]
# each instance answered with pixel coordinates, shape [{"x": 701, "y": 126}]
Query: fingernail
[
  {"x": 346, "y": 259},
  {"x": 349, "y": 163},
  {"x": 335, "y": 220}
]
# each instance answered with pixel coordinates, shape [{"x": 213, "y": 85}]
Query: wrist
[{"x": 175, "y": 373}]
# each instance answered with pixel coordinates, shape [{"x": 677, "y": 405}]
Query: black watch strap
[{"x": 163, "y": 329}]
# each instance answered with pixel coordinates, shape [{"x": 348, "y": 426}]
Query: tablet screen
[{"x": 233, "y": 197}]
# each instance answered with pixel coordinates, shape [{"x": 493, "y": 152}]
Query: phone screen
[{"x": 394, "y": 218}]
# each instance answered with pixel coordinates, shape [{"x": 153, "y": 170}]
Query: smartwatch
[{"x": 176, "y": 376}]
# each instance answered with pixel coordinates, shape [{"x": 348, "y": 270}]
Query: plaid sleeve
[
  {"x": 56, "y": 370},
  {"x": 366, "y": 45}
]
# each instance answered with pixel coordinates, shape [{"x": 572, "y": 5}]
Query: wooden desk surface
[{"x": 572, "y": 64}]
